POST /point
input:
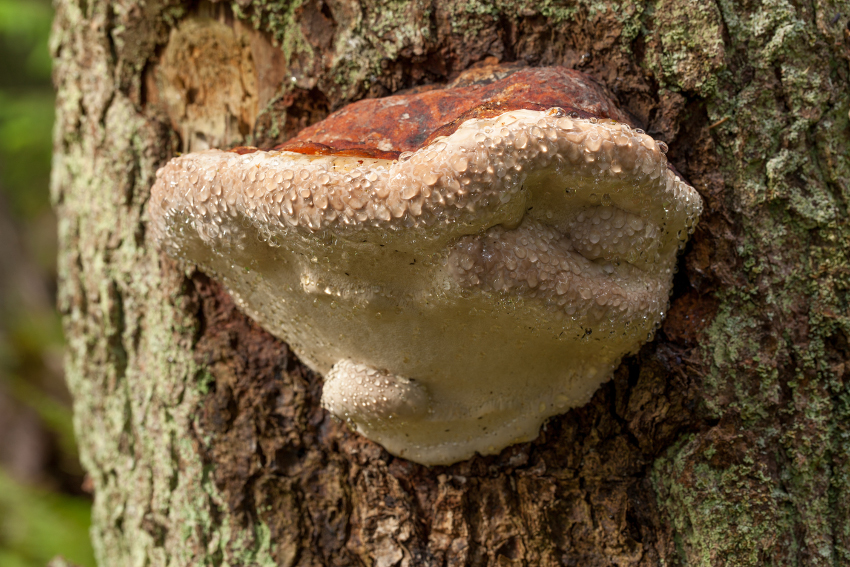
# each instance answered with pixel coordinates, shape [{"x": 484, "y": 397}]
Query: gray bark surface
[{"x": 725, "y": 441}]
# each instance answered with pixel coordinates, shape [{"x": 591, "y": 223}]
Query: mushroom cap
[
  {"x": 407, "y": 122},
  {"x": 487, "y": 280}
]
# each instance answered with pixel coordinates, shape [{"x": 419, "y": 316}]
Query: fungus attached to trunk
[{"x": 460, "y": 264}]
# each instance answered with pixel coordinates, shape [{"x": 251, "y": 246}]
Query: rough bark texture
[{"x": 725, "y": 441}]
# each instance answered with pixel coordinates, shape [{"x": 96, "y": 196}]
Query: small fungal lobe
[{"x": 487, "y": 271}]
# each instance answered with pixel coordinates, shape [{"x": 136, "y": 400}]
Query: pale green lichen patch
[
  {"x": 725, "y": 515},
  {"x": 346, "y": 42},
  {"x": 468, "y": 17},
  {"x": 687, "y": 50},
  {"x": 129, "y": 362},
  {"x": 774, "y": 347},
  {"x": 280, "y": 21}
]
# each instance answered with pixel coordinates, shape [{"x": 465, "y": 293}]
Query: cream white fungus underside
[{"x": 457, "y": 297}]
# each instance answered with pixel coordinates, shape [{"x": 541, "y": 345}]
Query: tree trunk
[{"x": 725, "y": 441}]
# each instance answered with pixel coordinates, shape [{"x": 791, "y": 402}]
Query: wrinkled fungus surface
[{"x": 454, "y": 296}]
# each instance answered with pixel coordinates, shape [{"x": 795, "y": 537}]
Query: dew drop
[
  {"x": 521, "y": 141},
  {"x": 460, "y": 164}
]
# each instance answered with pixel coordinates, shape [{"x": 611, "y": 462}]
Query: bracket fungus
[{"x": 460, "y": 263}]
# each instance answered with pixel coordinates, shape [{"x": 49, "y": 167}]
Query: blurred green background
[{"x": 44, "y": 511}]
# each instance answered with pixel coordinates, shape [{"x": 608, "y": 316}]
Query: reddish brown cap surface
[{"x": 383, "y": 127}]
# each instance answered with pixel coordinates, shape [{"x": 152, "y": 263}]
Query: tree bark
[{"x": 725, "y": 441}]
